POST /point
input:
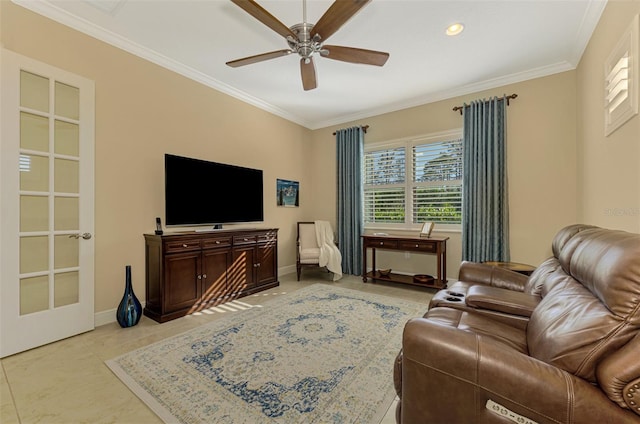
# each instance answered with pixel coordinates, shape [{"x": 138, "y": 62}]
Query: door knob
[{"x": 85, "y": 236}]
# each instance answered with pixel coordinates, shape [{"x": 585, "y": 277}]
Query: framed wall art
[{"x": 287, "y": 193}]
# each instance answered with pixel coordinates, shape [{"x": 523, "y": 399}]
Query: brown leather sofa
[
  {"x": 502, "y": 294},
  {"x": 574, "y": 359}
]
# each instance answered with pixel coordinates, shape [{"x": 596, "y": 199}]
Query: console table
[{"x": 432, "y": 246}]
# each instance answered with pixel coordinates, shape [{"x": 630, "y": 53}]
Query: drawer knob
[
  {"x": 381, "y": 243},
  {"x": 217, "y": 241},
  {"x": 185, "y": 245},
  {"x": 199, "y": 277},
  {"x": 246, "y": 239},
  {"x": 417, "y": 245},
  {"x": 204, "y": 276}
]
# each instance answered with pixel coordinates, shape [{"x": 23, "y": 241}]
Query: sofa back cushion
[
  {"x": 565, "y": 234},
  {"x": 547, "y": 272},
  {"x": 591, "y": 302},
  {"x": 541, "y": 275}
]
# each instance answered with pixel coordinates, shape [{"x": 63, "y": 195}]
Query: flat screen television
[{"x": 199, "y": 192}]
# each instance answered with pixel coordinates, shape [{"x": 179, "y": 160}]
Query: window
[
  {"x": 384, "y": 182},
  {"x": 621, "y": 80},
  {"x": 409, "y": 182}
]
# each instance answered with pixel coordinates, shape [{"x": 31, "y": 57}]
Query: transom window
[{"x": 408, "y": 182}]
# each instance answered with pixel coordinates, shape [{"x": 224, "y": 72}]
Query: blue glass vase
[{"x": 129, "y": 310}]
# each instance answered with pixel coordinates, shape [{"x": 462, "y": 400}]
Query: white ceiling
[{"x": 504, "y": 41}]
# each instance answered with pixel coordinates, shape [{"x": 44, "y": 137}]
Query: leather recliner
[
  {"x": 575, "y": 359},
  {"x": 503, "y": 294}
]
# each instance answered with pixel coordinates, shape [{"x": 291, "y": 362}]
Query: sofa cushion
[
  {"x": 501, "y": 300},
  {"x": 506, "y": 335},
  {"x": 592, "y": 308},
  {"x": 310, "y": 255}
]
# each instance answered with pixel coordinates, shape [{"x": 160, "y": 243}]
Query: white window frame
[
  {"x": 621, "y": 80},
  {"x": 408, "y": 143}
]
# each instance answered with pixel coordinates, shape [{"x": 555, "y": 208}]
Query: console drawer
[
  {"x": 266, "y": 238},
  {"x": 216, "y": 242},
  {"x": 182, "y": 245},
  {"x": 244, "y": 239},
  {"x": 422, "y": 246},
  {"x": 382, "y": 243}
]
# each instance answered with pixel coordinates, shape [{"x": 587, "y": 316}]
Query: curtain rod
[
  {"x": 459, "y": 108},
  {"x": 364, "y": 128}
]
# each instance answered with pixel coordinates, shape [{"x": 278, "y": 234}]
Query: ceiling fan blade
[
  {"x": 258, "y": 12},
  {"x": 354, "y": 55},
  {"x": 337, "y": 14},
  {"x": 308, "y": 71},
  {"x": 258, "y": 58}
]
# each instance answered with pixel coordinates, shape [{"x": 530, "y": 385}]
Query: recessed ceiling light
[{"x": 455, "y": 29}]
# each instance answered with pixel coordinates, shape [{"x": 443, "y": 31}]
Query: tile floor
[{"x": 67, "y": 382}]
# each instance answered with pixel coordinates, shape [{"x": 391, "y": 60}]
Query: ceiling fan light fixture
[
  {"x": 307, "y": 39},
  {"x": 454, "y": 29}
]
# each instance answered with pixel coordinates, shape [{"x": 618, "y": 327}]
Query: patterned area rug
[{"x": 321, "y": 354}]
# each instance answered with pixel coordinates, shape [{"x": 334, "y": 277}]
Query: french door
[{"x": 47, "y": 204}]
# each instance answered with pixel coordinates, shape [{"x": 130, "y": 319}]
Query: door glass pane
[
  {"x": 66, "y": 176},
  {"x": 34, "y": 254},
  {"x": 34, "y": 132},
  {"x": 34, "y": 91},
  {"x": 34, "y": 173},
  {"x": 65, "y": 252},
  {"x": 66, "y": 213},
  {"x": 66, "y": 138},
  {"x": 65, "y": 289},
  {"x": 34, "y": 213},
  {"x": 34, "y": 294},
  {"x": 67, "y": 99}
]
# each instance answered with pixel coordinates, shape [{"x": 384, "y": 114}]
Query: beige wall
[
  {"x": 561, "y": 167},
  {"x": 609, "y": 167},
  {"x": 541, "y": 149},
  {"x": 142, "y": 112}
]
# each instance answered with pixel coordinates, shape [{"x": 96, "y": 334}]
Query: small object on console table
[{"x": 432, "y": 246}]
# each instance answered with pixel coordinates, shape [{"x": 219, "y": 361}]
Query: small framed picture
[
  {"x": 427, "y": 227},
  {"x": 287, "y": 193}
]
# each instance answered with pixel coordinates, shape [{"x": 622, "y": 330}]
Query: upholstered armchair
[{"x": 310, "y": 254}]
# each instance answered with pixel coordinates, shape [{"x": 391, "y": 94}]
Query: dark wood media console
[{"x": 188, "y": 272}]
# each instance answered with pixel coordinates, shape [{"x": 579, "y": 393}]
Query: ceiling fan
[{"x": 308, "y": 39}]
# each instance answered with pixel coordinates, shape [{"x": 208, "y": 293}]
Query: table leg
[
  {"x": 444, "y": 263},
  {"x": 364, "y": 262},
  {"x": 373, "y": 261},
  {"x": 439, "y": 263}
]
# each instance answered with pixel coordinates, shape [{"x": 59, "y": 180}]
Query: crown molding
[
  {"x": 589, "y": 22},
  {"x": 453, "y": 92},
  {"x": 63, "y": 17},
  {"x": 587, "y": 26}
]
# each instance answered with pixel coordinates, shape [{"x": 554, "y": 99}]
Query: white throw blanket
[{"x": 329, "y": 254}]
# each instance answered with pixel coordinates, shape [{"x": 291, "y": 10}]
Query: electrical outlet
[{"x": 407, "y": 255}]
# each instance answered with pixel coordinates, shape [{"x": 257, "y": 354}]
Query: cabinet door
[
  {"x": 214, "y": 274},
  {"x": 267, "y": 263},
  {"x": 182, "y": 281},
  {"x": 242, "y": 271}
]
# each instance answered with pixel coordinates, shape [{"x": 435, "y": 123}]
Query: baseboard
[
  {"x": 109, "y": 316},
  {"x": 289, "y": 269},
  {"x": 104, "y": 317}
]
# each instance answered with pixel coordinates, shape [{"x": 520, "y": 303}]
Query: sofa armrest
[
  {"x": 449, "y": 374},
  {"x": 501, "y": 300},
  {"x": 472, "y": 272}
]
